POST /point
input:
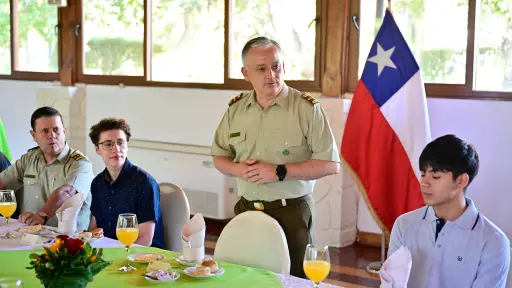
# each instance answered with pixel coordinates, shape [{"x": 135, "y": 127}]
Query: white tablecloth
[{"x": 105, "y": 242}]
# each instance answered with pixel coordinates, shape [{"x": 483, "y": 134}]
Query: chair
[
  {"x": 175, "y": 213},
  {"x": 256, "y": 240}
]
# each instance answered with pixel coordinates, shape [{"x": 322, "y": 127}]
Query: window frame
[
  {"x": 229, "y": 83},
  {"x": 433, "y": 90}
]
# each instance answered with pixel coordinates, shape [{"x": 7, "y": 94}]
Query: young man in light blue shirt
[{"x": 451, "y": 243}]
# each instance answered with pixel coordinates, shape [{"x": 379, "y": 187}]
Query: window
[
  {"x": 5, "y": 37},
  {"x": 36, "y": 37},
  {"x": 113, "y": 37},
  {"x": 272, "y": 19},
  {"x": 463, "y": 47},
  {"x": 29, "y": 40},
  {"x": 193, "y": 43}
]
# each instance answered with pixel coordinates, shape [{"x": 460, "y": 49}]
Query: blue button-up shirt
[
  {"x": 134, "y": 191},
  {"x": 469, "y": 252}
]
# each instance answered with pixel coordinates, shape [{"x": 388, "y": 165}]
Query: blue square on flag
[{"x": 390, "y": 63}]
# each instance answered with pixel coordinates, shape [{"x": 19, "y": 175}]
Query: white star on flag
[{"x": 383, "y": 58}]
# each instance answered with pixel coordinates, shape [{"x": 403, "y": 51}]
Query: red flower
[
  {"x": 73, "y": 246},
  {"x": 63, "y": 238}
]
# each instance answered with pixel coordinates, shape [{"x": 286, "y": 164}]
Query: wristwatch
[
  {"x": 281, "y": 172},
  {"x": 45, "y": 217}
]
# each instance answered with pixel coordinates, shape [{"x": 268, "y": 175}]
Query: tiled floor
[{"x": 347, "y": 264}]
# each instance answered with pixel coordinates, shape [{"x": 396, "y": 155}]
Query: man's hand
[
  {"x": 57, "y": 198},
  {"x": 30, "y": 218},
  {"x": 260, "y": 173},
  {"x": 242, "y": 166}
]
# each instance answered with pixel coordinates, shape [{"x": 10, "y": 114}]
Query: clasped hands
[{"x": 252, "y": 171}]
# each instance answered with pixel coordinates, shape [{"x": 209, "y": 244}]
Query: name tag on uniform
[
  {"x": 29, "y": 179},
  {"x": 236, "y": 134},
  {"x": 31, "y": 239}
]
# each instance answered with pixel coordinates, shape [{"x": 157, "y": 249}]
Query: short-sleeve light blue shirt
[{"x": 469, "y": 252}]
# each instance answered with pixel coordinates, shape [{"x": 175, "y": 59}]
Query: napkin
[
  {"x": 192, "y": 239},
  {"x": 396, "y": 269},
  {"x": 193, "y": 232},
  {"x": 67, "y": 214}
]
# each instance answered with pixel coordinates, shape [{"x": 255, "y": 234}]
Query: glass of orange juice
[
  {"x": 7, "y": 208},
  {"x": 317, "y": 263},
  {"x": 127, "y": 232}
]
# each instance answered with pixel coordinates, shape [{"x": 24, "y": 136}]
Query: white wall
[
  {"x": 190, "y": 116},
  {"x": 486, "y": 124}
]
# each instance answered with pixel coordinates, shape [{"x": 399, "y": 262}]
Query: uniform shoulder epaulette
[
  {"x": 236, "y": 98},
  {"x": 310, "y": 98},
  {"x": 32, "y": 149},
  {"x": 77, "y": 156}
]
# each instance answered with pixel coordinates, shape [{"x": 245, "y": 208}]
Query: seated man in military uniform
[{"x": 49, "y": 174}]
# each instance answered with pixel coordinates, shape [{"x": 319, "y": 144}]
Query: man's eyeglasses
[{"x": 109, "y": 145}]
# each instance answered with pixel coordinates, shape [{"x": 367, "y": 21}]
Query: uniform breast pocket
[
  {"x": 28, "y": 180},
  {"x": 289, "y": 147},
  {"x": 237, "y": 142}
]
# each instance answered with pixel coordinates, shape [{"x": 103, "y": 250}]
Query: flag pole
[{"x": 375, "y": 267}]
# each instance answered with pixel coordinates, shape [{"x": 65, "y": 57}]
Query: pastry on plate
[
  {"x": 147, "y": 257},
  {"x": 84, "y": 236},
  {"x": 212, "y": 264},
  {"x": 202, "y": 271},
  {"x": 31, "y": 229}
]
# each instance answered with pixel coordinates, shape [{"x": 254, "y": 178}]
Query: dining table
[{"x": 14, "y": 260}]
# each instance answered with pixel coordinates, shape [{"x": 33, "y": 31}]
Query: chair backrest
[
  {"x": 509, "y": 277},
  {"x": 256, "y": 240},
  {"x": 175, "y": 213}
]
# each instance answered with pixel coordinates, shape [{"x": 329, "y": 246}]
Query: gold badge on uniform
[
  {"x": 286, "y": 152},
  {"x": 77, "y": 156}
]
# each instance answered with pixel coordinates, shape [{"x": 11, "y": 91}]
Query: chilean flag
[{"x": 388, "y": 127}]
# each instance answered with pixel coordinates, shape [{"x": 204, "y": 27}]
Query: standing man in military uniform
[
  {"x": 277, "y": 141},
  {"x": 49, "y": 174}
]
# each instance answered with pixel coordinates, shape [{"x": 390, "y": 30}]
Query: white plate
[
  {"x": 155, "y": 257},
  {"x": 174, "y": 276},
  {"x": 184, "y": 262},
  {"x": 190, "y": 272}
]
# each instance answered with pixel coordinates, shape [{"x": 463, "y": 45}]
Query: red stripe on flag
[{"x": 376, "y": 155}]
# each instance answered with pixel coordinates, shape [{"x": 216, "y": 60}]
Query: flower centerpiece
[{"x": 69, "y": 263}]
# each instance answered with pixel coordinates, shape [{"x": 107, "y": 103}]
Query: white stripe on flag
[{"x": 406, "y": 112}]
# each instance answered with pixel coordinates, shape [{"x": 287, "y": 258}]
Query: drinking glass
[
  {"x": 7, "y": 208},
  {"x": 127, "y": 232},
  {"x": 317, "y": 263}
]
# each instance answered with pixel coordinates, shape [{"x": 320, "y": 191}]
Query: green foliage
[{"x": 68, "y": 263}]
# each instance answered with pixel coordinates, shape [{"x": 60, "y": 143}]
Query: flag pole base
[{"x": 374, "y": 267}]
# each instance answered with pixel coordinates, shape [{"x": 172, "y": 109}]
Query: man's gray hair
[{"x": 259, "y": 42}]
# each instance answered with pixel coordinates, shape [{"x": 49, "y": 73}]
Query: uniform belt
[{"x": 276, "y": 204}]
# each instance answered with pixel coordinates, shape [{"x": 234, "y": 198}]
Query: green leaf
[{"x": 33, "y": 256}]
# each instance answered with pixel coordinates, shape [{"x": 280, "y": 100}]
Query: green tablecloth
[
  {"x": 13, "y": 263},
  {"x": 4, "y": 146}
]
